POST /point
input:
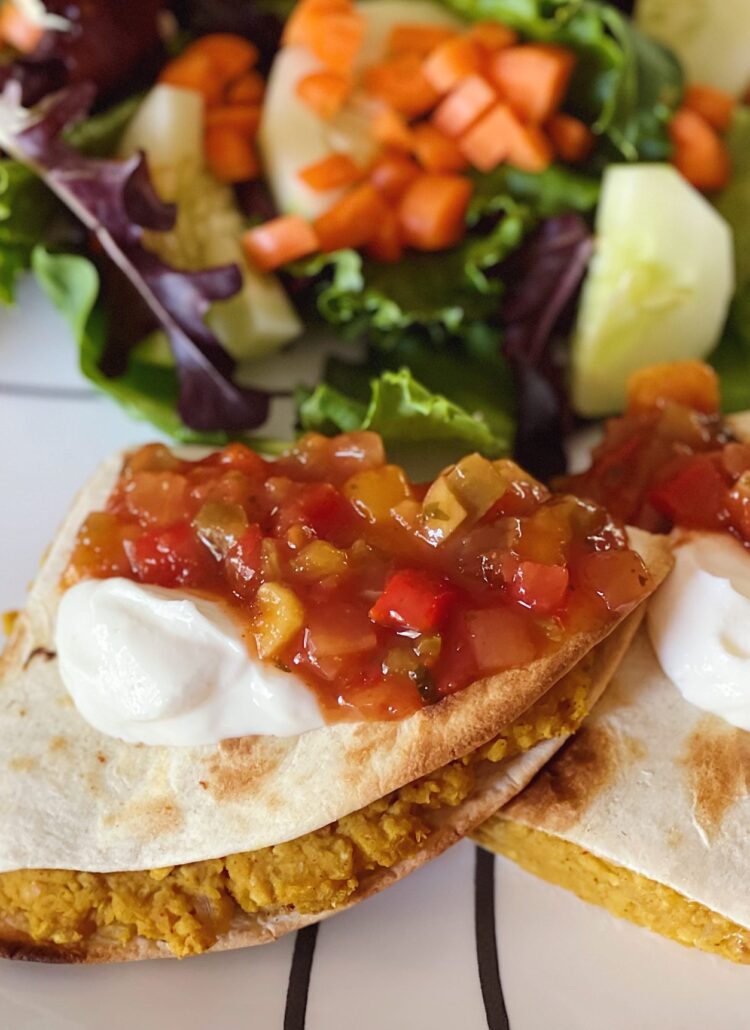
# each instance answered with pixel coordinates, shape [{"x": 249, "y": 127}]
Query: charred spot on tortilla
[
  {"x": 564, "y": 790},
  {"x": 716, "y": 764},
  {"x": 39, "y": 652},
  {"x": 242, "y": 765}
]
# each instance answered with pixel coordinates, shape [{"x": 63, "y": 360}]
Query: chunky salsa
[
  {"x": 382, "y": 594},
  {"x": 671, "y": 460}
]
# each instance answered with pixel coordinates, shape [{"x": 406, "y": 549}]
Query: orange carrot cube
[
  {"x": 393, "y": 173},
  {"x": 415, "y": 38},
  {"x": 435, "y": 151},
  {"x": 278, "y": 241},
  {"x": 488, "y": 142},
  {"x": 464, "y": 104},
  {"x": 451, "y": 62},
  {"x": 432, "y": 212},
  {"x": 401, "y": 83},
  {"x": 713, "y": 105},
  {"x": 571, "y": 138},
  {"x": 231, "y": 155},
  {"x": 533, "y": 78},
  {"x": 351, "y": 222},
  {"x": 331, "y": 173},
  {"x": 325, "y": 92}
]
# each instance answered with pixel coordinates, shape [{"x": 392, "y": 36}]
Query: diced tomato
[
  {"x": 501, "y": 638},
  {"x": 243, "y": 459},
  {"x": 540, "y": 587},
  {"x": 619, "y": 578},
  {"x": 414, "y": 600},
  {"x": 169, "y": 557},
  {"x": 696, "y": 496},
  {"x": 156, "y": 498},
  {"x": 320, "y": 508},
  {"x": 338, "y": 629},
  {"x": 738, "y": 503},
  {"x": 243, "y": 563}
]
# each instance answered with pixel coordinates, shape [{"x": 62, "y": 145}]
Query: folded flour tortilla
[
  {"x": 72, "y": 799},
  {"x": 646, "y": 812}
]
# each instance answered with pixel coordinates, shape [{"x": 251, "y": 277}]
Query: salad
[{"x": 507, "y": 207}]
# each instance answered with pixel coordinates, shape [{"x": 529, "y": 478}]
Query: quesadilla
[
  {"x": 645, "y": 812},
  {"x": 412, "y": 654}
]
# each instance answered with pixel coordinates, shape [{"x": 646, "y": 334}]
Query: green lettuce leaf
[
  {"x": 625, "y": 84},
  {"x": 731, "y": 359},
  {"x": 417, "y": 392}
]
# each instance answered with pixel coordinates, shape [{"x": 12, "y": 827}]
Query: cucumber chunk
[
  {"x": 292, "y": 136},
  {"x": 709, "y": 36},
  {"x": 658, "y": 287},
  {"x": 168, "y": 127}
]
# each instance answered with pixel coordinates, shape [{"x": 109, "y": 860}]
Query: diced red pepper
[
  {"x": 414, "y": 600},
  {"x": 696, "y": 496},
  {"x": 540, "y": 587},
  {"x": 243, "y": 563},
  {"x": 168, "y": 558}
]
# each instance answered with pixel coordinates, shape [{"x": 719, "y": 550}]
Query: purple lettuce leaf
[
  {"x": 543, "y": 281},
  {"x": 116, "y": 202}
]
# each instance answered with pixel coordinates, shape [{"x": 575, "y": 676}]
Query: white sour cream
[
  {"x": 699, "y": 624},
  {"x": 157, "y": 666}
]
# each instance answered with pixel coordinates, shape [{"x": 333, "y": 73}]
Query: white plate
[{"x": 409, "y": 959}]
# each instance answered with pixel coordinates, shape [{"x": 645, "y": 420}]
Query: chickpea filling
[{"x": 189, "y": 907}]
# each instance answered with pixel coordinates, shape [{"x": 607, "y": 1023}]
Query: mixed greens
[{"x": 467, "y": 344}]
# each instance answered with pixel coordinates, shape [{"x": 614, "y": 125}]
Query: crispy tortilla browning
[
  {"x": 190, "y": 906},
  {"x": 621, "y": 891}
]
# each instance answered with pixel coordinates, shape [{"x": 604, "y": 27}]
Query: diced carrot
[
  {"x": 571, "y": 138},
  {"x": 231, "y": 55},
  {"x": 690, "y": 383},
  {"x": 332, "y": 173},
  {"x": 196, "y": 72},
  {"x": 18, "y": 30},
  {"x": 464, "y": 104},
  {"x": 248, "y": 89},
  {"x": 325, "y": 92},
  {"x": 489, "y": 141},
  {"x": 391, "y": 129},
  {"x": 278, "y": 241},
  {"x": 432, "y": 212},
  {"x": 698, "y": 151},
  {"x": 533, "y": 78},
  {"x": 714, "y": 105},
  {"x": 400, "y": 82},
  {"x": 351, "y": 222},
  {"x": 393, "y": 173},
  {"x": 416, "y": 38},
  {"x": 386, "y": 244},
  {"x": 231, "y": 155},
  {"x": 451, "y": 62},
  {"x": 244, "y": 118},
  {"x": 530, "y": 149},
  {"x": 297, "y": 26},
  {"x": 435, "y": 151},
  {"x": 492, "y": 36},
  {"x": 333, "y": 31}
]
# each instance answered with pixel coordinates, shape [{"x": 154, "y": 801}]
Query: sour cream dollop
[
  {"x": 157, "y": 666},
  {"x": 699, "y": 624}
]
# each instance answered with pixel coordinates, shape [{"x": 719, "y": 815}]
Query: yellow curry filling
[
  {"x": 190, "y": 906},
  {"x": 624, "y": 893}
]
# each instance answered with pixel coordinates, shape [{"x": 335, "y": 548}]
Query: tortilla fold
[{"x": 74, "y": 799}]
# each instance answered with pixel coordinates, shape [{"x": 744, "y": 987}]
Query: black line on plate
[
  {"x": 298, "y": 987},
  {"x": 488, "y": 965},
  {"x": 53, "y": 393}
]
